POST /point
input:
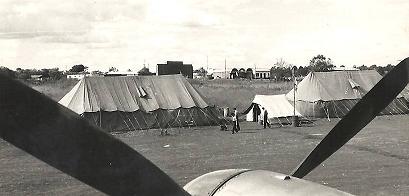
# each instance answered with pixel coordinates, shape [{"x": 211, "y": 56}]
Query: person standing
[
  {"x": 261, "y": 118},
  {"x": 265, "y": 118},
  {"x": 236, "y": 125},
  {"x": 236, "y": 113}
]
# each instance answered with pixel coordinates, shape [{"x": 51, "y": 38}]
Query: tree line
[
  {"x": 56, "y": 74},
  {"x": 280, "y": 71},
  {"x": 25, "y": 74}
]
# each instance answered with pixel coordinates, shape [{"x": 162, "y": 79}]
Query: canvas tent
[
  {"x": 139, "y": 102},
  {"x": 277, "y": 106},
  {"x": 333, "y": 94}
]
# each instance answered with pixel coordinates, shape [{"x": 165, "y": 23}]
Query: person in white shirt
[
  {"x": 261, "y": 118},
  {"x": 236, "y": 125}
]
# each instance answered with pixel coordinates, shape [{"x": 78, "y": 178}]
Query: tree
[
  {"x": 112, "y": 69},
  {"x": 321, "y": 63},
  {"x": 384, "y": 70},
  {"x": 242, "y": 73},
  {"x": 302, "y": 71},
  {"x": 363, "y": 67},
  {"x": 144, "y": 72},
  {"x": 381, "y": 70},
  {"x": 7, "y": 72},
  {"x": 280, "y": 73},
  {"x": 23, "y": 74},
  {"x": 281, "y": 63},
  {"x": 97, "y": 73},
  {"x": 249, "y": 73},
  {"x": 374, "y": 67},
  {"x": 78, "y": 68},
  {"x": 45, "y": 73},
  {"x": 234, "y": 73},
  {"x": 201, "y": 72},
  {"x": 55, "y": 74}
]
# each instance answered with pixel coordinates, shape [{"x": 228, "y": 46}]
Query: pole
[
  {"x": 207, "y": 63},
  {"x": 293, "y": 91},
  {"x": 225, "y": 68},
  {"x": 295, "y": 118},
  {"x": 255, "y": 71},
  {"x": 207, "y": 66}
]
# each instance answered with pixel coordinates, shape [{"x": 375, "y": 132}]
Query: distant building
[
  {"x": 37, "y": 77},
  {"x": 77, "y": 76},
  {"x": 219, "y": 74},
  {"x": 175, "y": 67},
  {"x": 249, "y": 73},
  {"x": 118, "y": 73},
  {"x": 197, "y": 75},
  {"x": 260, "y": 73},
  {"x": 343, "y": 68}
]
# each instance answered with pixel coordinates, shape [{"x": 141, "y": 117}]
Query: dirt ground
[{"x": 375, "y": 162}]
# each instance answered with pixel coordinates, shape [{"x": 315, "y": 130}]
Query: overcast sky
[{"x": 124, "y": 34}]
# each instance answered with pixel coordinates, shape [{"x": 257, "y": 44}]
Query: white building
[
  {"x": 219, "y": 74},
  {"x": 77, "y": 76},
  {"x": 343, "y": 68},
  {"x": 197, "y": 76},
  {"x": 121, "y": 73},
  {"x": 261, "y": 73},
  {"x": 37, "y": 77}
]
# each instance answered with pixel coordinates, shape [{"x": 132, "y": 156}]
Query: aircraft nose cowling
[{"x": 243, "y": 182}]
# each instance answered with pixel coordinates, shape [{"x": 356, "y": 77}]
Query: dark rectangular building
[{"x": 175, "y": 67}]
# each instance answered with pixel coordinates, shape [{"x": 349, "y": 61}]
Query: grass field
[
  {"x": 375, "y": 162},
  {"x": 55, "y": 89}
]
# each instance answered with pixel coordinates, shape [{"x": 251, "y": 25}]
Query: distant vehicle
[{"x": 65, "y": 141}]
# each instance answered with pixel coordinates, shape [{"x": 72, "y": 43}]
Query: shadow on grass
[
  {"x": 356, "y": 147},
  {"x": 247, "y": 132},
  {"x": 379, "y": 152}
]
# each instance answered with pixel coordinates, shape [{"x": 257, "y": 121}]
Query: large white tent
[
  {"x": 333, "y": 94},
  {"x": 140, "y": 102}
]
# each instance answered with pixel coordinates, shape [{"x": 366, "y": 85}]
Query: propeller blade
[
  {"x": 62, "y": 139},
  {"x": 377, "y": 99}
]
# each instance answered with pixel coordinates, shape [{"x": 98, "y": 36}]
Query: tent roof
[
  {"x": 132, "y": 93},
  {"x": 276, "y": 105},
  {"x": 337, "y": 85}
]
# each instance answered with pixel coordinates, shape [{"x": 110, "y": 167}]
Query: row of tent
[
  {"x": 145, "y": 102},
  {"x": 324, "y": 95}
]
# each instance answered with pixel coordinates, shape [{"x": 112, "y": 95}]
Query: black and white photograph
[{"x": 204, "y": 97}]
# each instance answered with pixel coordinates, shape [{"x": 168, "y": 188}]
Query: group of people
[{"x": 263, "y": 120}]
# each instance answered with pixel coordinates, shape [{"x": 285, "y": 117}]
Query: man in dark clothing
[{"x": 265, "y": 119}]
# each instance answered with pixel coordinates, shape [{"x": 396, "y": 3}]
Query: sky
[{"x": 127, "y": 34}]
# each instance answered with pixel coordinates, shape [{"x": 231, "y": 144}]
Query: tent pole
[{"x": 295, "y": 118}]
